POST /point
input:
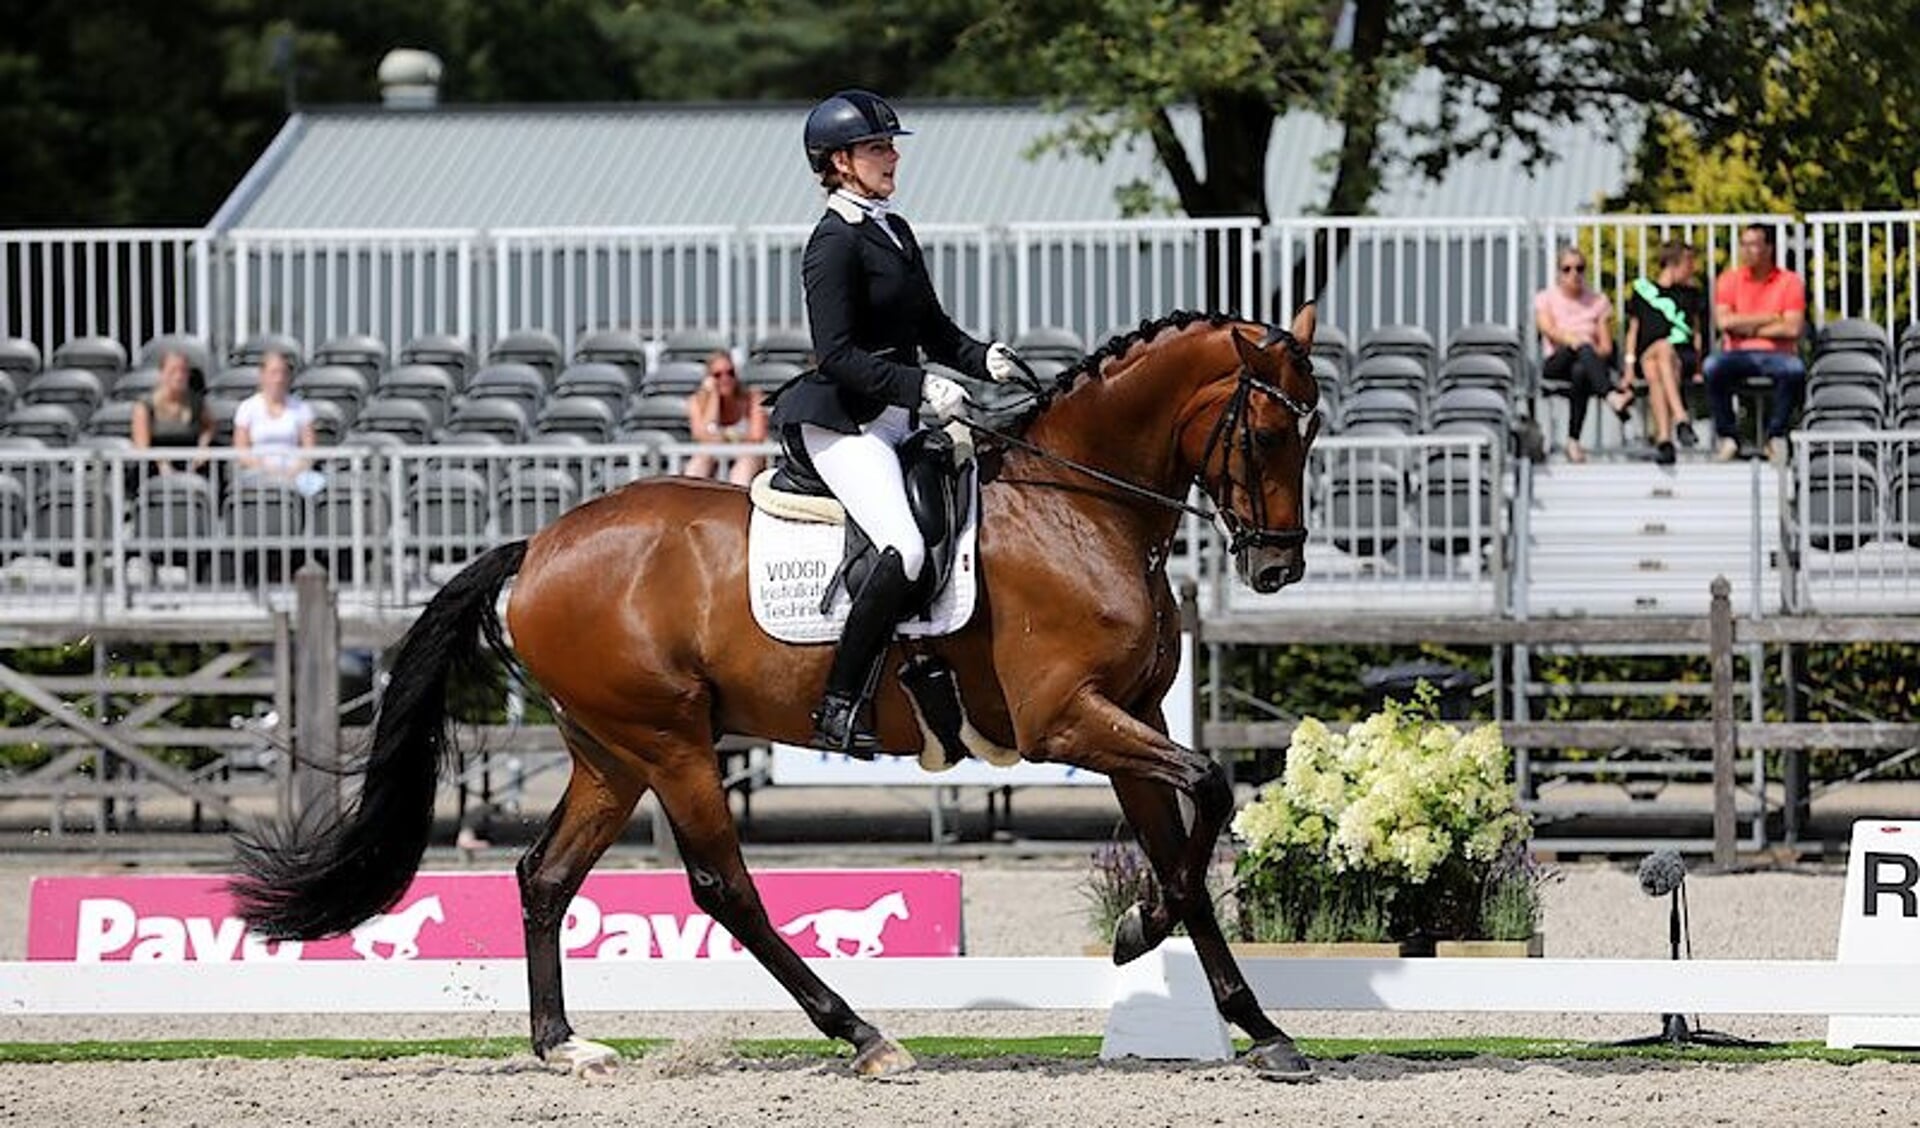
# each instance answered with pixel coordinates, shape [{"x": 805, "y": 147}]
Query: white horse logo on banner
[
  {"x": 860, "y": 927},
  {"x": 400, "y": 931}
]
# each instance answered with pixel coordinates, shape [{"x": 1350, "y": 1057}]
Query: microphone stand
[{"x": 1675, "y": 1031}]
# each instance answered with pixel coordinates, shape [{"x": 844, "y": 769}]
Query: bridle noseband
[{"x": 1234, "y": 428}]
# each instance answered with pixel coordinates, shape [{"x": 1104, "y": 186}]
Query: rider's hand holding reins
[
  {"x": 942, "y": 398},
  {"x": 1003, "y": 364}
]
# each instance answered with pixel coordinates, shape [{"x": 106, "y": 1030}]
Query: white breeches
[{"x": 863, "y": 472}]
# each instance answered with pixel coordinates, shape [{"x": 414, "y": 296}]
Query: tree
[
  {"x": 1506, "y": 72},
  {"x": 1806, "y": 138}
]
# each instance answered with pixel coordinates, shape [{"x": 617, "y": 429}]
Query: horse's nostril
[{"x": 1270, "y": 578}]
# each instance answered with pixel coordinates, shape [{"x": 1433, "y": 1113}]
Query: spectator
[
  {"x": 271, "y": 426},
  {"x": 1760, "y": 310},
  {"x": 1575, "y": 325},
  {"x": 720, "y": 411},
  {"x": 174, "y": 414},
  {"x": 1664, "y": 320}
]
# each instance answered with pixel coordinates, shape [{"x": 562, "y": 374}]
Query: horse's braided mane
[{"x": 1115, "y": 347}]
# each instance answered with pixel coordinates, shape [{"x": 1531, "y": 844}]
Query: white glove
[
  {"x": 1003, "y": 363},
  {"x": 942, "y": 398}
]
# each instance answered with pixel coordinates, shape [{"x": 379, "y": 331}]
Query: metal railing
[
  {"x": 1098, "y": 278},
  {"x": 127, "y": 284},
  {"x": 1855, "y": 530},
  {"x": 1440, "y": 274},
  {"x": 1865, "y": 264},
  {"x": 314, "y": 285},
  {"x": 653, "y": 279}
]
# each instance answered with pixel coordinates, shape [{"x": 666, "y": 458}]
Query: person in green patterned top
[{"x": 1665, "y": 319}]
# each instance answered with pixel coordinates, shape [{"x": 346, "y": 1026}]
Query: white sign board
[
  {"x": 1880, "y": 923},
  {"x": 793, "y": 765}
]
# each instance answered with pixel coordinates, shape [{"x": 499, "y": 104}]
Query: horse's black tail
[{"x": 305, "y": 882}]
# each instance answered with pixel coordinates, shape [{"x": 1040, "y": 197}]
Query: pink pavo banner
[{"x": 826, "y": 914}]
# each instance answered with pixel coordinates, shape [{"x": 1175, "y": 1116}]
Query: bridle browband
[{"x": 1234, "y": 426}]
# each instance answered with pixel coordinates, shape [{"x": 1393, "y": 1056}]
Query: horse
[
  {"x": 630, "y": 612},
  {"x": 861, "y": 927}
]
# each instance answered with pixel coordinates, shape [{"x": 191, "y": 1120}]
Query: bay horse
[{"x": 631, "y": 613}]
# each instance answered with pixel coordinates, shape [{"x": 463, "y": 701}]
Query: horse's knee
[
  {"x": 544, "y": 893},
  {"x": 1213, "y": 795}
]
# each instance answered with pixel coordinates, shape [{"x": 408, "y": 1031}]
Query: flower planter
[{"x": 1532, "y": 947}]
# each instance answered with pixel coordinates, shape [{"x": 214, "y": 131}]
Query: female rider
[{"x": 872, "y": 309}]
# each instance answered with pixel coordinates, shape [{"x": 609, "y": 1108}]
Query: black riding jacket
[{"x": 873, "y": 313}]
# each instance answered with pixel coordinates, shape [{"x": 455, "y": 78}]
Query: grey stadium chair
[
  {"x": 136, "y": 385},
  {"x": 585, "y": 416},
  {"x": 1409, "y": 341},
  {"x": 103, "y": 356},
  {"x": 1849, "y": 403},
  {"x": 253, "y": 348},
  {"x": 1476, "y": 370},
  {"x": 115, "y": 418},
  {"x": 599, "y": 380},
  {"x": 77, "y": 389},
  {"x": 503, "y": 420},
  {"x": 173, "y": 520},
  {"x": 663, "y": 414},
  {"x": 447, "y": 513},
  {"x": 767, "y": 375},
  {"x": 675, "y": 377},
  {"x": 428, "y": 384},
  {"x": 407, "y": 421},
  {"x": 1050, "y": 342},
  {"x": 1863, "y": 368},
  {"x": 448, "y": 352},
  {"x": 532, "y": 497},
  {"x": 51, "y": 423},
  {"x": 329, "y": 423},
  {"x": 1381, "y": 410},
  {"x": 535, "y": 347},
  {"x": 357, "y": 350},
  {"x": 1330, "y": 341},
  {"x": 345, "y": 387},
  {"x": 1453, "y": 495},
  {"x": 19, "y": 357},
  {"x": 235, "y": 382},
  {"x": 693, "y": 344},
  {"x": 520, "y": 383},
  {"x": 619, "y": 347},
  {"x": 787, "y": 346},
  {"x": 1364, "y": 499},
  {"x": 1853, "y": 334},
  {"x": 1389, "y": 370},
  {"x": 1842, "y": 502}
]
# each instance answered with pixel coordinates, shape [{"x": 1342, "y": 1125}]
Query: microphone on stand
[
  {"x": 1661, "y": 873},
  {"x": 1664, "y": 874}
]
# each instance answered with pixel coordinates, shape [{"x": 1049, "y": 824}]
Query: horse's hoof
[
  {"x": 583, "y": 1059},
  {"x": 1280, "y": 1060},
  {"x": 882, "y": 1057},
  {"x": 1130, "y": 940}
]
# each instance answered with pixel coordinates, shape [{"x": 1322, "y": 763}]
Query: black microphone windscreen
[{"x": 1661, "y": 873}]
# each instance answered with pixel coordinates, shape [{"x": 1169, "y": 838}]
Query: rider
[{"x": 872, "y": 308}]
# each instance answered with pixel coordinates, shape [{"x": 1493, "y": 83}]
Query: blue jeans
[{"x": 1728, "y": 372}]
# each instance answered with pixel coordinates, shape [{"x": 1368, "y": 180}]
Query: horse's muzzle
[{"x": 1268, "y": 569}]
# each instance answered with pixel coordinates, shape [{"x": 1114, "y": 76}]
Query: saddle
[{"x": 804, "y": 556}]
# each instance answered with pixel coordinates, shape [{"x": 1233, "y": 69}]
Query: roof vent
[{"x": 410, "y": 79}]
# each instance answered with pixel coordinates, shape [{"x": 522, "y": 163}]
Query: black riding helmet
[{"x": 845, "y": 120}]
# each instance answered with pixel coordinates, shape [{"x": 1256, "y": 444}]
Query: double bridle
[{"x": 1233, "y": 428}]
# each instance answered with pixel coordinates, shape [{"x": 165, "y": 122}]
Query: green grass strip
[{"x": 1065, "y": 1047}]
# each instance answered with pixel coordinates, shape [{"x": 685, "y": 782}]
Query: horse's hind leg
[
  {"x": 696, "y": 805},
  {"x": 598, "y": 801},
  {"x": 1180, "y": 859}
]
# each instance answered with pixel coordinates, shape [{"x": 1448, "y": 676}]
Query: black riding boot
[{"x": 838, "y": 725}]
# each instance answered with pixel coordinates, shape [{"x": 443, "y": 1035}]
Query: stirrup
[{"x": 837, "y": 727}]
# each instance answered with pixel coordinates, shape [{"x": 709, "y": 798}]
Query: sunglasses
[
  {"x": 727, "y": 371},
  {"x": 1573, "y": 268}
]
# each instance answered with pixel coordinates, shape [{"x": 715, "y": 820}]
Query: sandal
[{"x": 1622, "y": 408}]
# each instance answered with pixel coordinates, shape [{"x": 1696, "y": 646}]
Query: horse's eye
[{"x": 1265, "y": 440}]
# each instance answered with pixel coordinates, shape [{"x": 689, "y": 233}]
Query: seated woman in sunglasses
[
  {"x": 1576, "y": 339},
  {"x": 721, "y": 411}
]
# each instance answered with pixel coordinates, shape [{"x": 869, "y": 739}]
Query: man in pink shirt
[{"x": 1761, "y": 311}]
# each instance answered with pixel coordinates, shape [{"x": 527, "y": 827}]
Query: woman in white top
[{"x": 271, "y": 424}]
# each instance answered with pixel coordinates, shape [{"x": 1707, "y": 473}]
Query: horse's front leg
[{"x": 1141, "y": 761}]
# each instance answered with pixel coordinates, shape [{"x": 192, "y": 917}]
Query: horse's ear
[
  {"x": 1303, "y": 325},
  {"x": 1250, "y": 354}
]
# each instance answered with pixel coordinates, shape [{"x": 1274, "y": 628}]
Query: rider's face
[{"x": 868, "y": 167}]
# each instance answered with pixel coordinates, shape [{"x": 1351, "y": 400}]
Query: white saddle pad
[{"x": 790, "y": 562}]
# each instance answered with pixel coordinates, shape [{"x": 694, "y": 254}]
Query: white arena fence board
[
  {"x": 967, "y": 983},
  {"x": 128, "y": 284}
]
